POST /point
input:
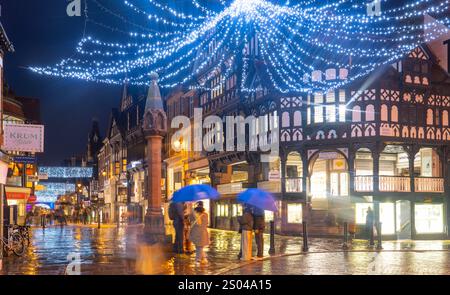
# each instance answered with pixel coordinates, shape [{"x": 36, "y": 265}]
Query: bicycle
[
  {"x": 24, "y": 231},
  {"x": 14, "y": 242}
]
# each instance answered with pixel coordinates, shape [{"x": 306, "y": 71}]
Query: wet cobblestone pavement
[{"x": 112, "y": 250}]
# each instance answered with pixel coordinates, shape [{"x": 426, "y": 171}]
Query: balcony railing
[
  {"x": 271, "y": 186},
  {"x": 294, "y": 185},
  {"x": 394, "y": 184},
  {"x": 386, "y": 184},
  {"x": 364, "y": 183},
  {"x": 400, "y": 184},
  {"x": 429, "y": 184},
  {"x": 230, "y": 188}
]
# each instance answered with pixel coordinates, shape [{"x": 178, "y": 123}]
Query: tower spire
[{"x": 154, "y": 100}]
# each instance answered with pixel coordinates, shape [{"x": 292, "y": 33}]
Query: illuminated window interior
[
  {"x": 429, "y": 218},
  {"x": 294, "y": 213}
]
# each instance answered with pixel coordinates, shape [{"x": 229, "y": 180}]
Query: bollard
[
  {"x": 345, "y": 245},
  {"x": 98, "y": 219},
  {"x": 272, "y": 238},
  {"x": 305, "y": 237},
  {"x": 371, "y": 237},
  {"x": 379, "y": 245}
]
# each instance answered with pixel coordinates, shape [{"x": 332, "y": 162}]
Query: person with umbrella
[
  {"x": 199, "y": 218},
  {"x": 260, "y": 201}
]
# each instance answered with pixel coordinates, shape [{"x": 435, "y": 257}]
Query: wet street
[{"x": 113, "y": 250}]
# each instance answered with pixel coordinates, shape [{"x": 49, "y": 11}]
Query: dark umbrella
[
  {"x": 258, "y": 198},
  {"x": 195, "y": 192}
]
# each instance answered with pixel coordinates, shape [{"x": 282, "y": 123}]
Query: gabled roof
[{"x": 113, "y": 119}]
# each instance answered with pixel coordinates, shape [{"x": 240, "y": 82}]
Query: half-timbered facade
[{"x": 382, "y": 142}]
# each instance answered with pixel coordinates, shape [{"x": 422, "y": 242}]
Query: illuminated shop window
[
  {"x": 237, "y": 210},
  {"x": 269, "y": 216},
  {"x": 222, "y": 210},
  {"x": 294, "y": 213},
  {"x": 361, "y": 212},
  {"x": 429, "y": 218},
  {"x": 387, "y": 218},
  {"x": 339, "y": 184}
]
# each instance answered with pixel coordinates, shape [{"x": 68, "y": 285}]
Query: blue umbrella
[
  {"x": 258, "y": 198},
  {"x": 195, "y": 192}
]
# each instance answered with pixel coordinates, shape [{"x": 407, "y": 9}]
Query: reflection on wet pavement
[
  {"x": 121, "y": 251},
  {"x": 352, "y": 263}
]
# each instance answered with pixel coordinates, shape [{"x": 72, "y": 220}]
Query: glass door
[{"x": 403, "y": 220}]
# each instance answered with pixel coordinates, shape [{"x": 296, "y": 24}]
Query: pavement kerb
[{"x": 240, "y": 265}]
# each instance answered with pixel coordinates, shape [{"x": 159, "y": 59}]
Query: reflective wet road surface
[{"x": 122, "y": 251}]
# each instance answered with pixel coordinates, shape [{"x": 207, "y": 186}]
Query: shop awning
[{"x": 17, "y": 193}]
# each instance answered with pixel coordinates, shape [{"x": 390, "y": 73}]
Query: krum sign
[{"x": 23, "y": 138}]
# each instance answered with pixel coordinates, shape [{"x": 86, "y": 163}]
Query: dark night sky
[{"x": 43, "y": 34}]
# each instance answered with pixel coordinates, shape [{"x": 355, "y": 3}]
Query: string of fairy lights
[
  {"x": 293, "y": 39},
  {"x": 62, "y": 181}
]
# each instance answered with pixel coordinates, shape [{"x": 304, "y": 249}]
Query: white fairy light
[{"x": 294, "y": 39}]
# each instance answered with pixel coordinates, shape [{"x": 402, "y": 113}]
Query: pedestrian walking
[
  {"x": 246, "y": 228},
  {"x": 176, "y": 214},
  {"x": 187, "y": 228},
  {"x": 199, "y": 234},
  {"x": 259, "y": 224},
  {"x": 369, "y": 226}
]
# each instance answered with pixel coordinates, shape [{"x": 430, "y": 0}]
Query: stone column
[
  {"x": 155, "y": 128},
  {"x": 154, "y": 220}
]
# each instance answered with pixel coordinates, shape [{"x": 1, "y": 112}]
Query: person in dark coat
[
  {"x": 369, "y": 225},
  {"x": 259, "y": 224},
  {"x": 178, "y": 224}
]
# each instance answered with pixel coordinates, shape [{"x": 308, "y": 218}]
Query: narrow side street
[{"x": 112, "y": 250}]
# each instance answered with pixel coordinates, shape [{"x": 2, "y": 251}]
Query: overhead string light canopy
[{"x": 297, "y": 40}]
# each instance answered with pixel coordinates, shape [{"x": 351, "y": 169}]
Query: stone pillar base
[{"x": 154, "y": 228}]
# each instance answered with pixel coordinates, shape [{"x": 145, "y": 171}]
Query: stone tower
[{"x": 155, "y": 128}]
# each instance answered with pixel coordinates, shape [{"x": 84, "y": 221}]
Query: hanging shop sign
[
  {"x": 17, "y": 193},
  {"x": 274, "y": 175},
  {"x": 43, "y": 176},
  {"x": 23, "y": 138},
  {"x": 32, "y": 178},
  {"x": 24, "y": 160}
]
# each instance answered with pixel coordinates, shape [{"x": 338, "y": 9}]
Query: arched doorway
[{"x": 329, "y": 179}]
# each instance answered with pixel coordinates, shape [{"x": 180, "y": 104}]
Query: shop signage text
[{"x": 23, "y": 138}]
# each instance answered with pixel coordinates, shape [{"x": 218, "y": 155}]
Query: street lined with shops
[{"x": 121, "y": 250}]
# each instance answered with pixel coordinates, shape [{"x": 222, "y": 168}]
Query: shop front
[
  {"x": 404, "y": 219},
  {"x": 17, "y": 199}
]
